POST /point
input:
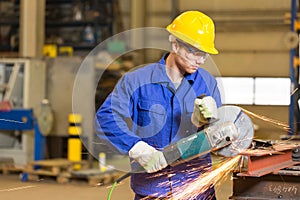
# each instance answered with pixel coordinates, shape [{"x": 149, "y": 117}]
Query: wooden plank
[
  {"x": 104, "y": 179},
  {"x": 41, "y": 172},
  {"x": 90, "y": 172},
  {"x": 62, "y": 169},
  {"x": 7, "y": 166},
  {"x": 11, "y": 169},
  {"x": 52, "y": 163}
]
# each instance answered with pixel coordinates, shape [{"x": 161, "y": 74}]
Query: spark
[
  {"x": 17, "y": 188},
  {"x": 280, "y": 124}
]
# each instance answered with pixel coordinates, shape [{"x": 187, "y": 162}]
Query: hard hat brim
[{"x": 198, "y": 45}]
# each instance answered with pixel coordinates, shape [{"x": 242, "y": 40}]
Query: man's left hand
[{"x": 204, "y": 109}]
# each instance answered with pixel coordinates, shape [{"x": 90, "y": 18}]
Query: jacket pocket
[
  {"x": 152, "y": 106},
  {"x": 152, "y": 117}
]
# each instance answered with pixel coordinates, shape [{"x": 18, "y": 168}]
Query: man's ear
[
  {"x": 175, "y": 47},
  {"x": 174, "y": 43}
]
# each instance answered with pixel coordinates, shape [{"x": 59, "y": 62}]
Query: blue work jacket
[{"x": 146, "y": 106}]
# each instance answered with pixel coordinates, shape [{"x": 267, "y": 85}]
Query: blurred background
[{"x": 59, "y": 59}]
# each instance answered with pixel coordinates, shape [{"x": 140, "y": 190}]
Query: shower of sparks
[
  {"x": 205, "y": 180},
  {"x": 194, "y": 187},
  {"x": 280, "y": 124},
  {"x": 17, "y": 188}
]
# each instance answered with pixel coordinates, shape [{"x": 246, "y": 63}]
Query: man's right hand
[{"x": 147, "y": 156}]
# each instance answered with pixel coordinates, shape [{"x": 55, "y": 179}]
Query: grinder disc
[{"x": 244, "y": 127}]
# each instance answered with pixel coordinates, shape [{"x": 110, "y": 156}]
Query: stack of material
[
  {"x": 95, "y": 177},
  {"x": 7, "y": 166},
  {"x": 57, "y": 168},
  {"x": 63, "y": 171}
]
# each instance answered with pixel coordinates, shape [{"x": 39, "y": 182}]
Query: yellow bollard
[
  {"x": 102, "y": 162},
  {"x": 74, "y": 142}
]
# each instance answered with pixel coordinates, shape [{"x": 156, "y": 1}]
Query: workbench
[{"x": 269, "y": 173}]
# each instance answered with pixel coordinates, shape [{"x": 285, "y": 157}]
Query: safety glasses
[{"x": 193, "y": 53}]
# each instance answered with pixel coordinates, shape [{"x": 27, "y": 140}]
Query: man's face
[{"x": 189, "y": 58}]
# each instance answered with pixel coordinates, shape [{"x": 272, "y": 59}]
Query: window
[
  {"x": 255, "y": 91},
  {"x": 237, "y": 90}
]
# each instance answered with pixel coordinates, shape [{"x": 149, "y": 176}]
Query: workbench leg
[
  {"x": 24, "y": 177},
  {"x": 39, "y": 143}
]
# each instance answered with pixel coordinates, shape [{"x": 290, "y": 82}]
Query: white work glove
[
  {"x": 147, "y": 156},
  {"x": 205, "y": 109}
]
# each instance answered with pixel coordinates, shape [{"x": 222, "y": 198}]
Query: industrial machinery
[
  {"x": 24, "y": 120},
  {"x": 22, "y": 83}
]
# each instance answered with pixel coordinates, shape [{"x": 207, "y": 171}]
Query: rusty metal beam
[
  {"x": 270, "y": 174},
  {"x": 271, "y": 160}
]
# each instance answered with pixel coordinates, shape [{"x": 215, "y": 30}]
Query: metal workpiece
[
  {"x": 269, "y": 173},
  {"x": 260, "y": 162},
  {"x": 269, "y": 187}
]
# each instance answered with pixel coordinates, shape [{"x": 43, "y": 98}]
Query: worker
[{"x": 156, "y": 105}]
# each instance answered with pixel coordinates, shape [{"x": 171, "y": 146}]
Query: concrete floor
[{"x": 11, "y": 188}]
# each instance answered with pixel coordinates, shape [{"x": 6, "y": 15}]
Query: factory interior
[{"x": 60, "y": 59}]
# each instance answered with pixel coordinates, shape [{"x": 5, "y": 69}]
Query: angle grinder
[{"x": 228, "y": 136}]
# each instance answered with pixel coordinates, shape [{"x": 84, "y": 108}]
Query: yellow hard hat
[{"x": 196, "y": 29}]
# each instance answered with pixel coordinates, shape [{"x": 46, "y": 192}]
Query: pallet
[
  {"x": 63, "y": 171},
  {"x": 7, "y": 166},
  {"x": 56, "y": 168},
  {"x": 11, "y": 170},
  {"x": 95, "y": 177}
]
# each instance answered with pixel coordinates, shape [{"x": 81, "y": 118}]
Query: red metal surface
[{"x": 262, "y": 162}]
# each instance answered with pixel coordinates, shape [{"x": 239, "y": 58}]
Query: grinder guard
[{"x": 244, "y": 130}]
